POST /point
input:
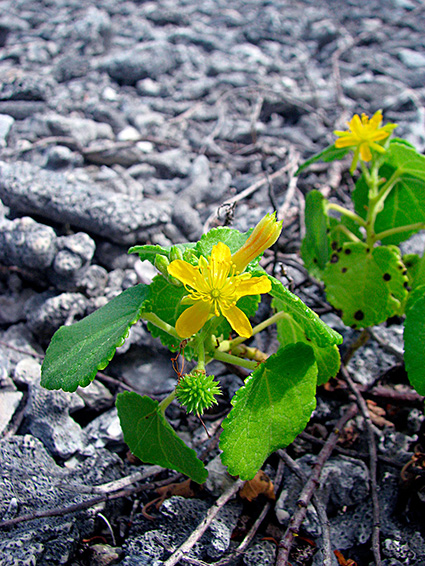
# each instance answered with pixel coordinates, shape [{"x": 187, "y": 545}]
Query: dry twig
[
  {"x": 309, "y": 488},
  {"x": 372, "y": 464}
]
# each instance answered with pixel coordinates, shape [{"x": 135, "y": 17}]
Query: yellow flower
[
  {"x": 362, "y": 136},
  {"x": 263, "y": 236},
  {"x": 214, "y": 287}
]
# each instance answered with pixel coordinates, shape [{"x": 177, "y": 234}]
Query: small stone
[
  {"x": 128, "y": 134},
  {"x": 96, "y": 396},
  {"x": 6, "y": 122},
  {"x": 9, "y": 402},
  {"x": 27, "y": 372},
  {"x": 411, "y": 58}
]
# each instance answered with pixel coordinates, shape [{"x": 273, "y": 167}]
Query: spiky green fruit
[{"x": 196, "y": 391}]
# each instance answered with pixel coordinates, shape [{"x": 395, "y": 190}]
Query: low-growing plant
[
  {"x": 204, "y": 294},
  {"x": 356, "y": 254}
]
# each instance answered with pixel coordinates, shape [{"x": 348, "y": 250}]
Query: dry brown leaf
[
  {"x": 377, "y": 414},
  {"x": 260, "y": 484},
  {"x": 165, "y": 492}
]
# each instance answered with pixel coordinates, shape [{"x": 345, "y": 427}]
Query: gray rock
[
  {"x": 96, "y": 396},
  {"x": 169, "y": 164},
  {"x": 147, "y": 60},
  {"x": 200, "y": 181},
  {"x": 6, "y": 122},
  {"x": 12, "y": 306},
  {"x": 61, "y": 435},
  {"x": 93, "y": 281},
  {"x": 18, "y": 85},
  {"x": 94, "y": 31},
  {"x": 70, "y": 67},
  {"x": 9, "y": 402},
  {"x": 412, "y": 58},
  {"x": 261, "y": 552},
  {"x": 31, "y": 481},
  {"x": 72, "y": 260},
  {"x": 82, "y": 130},
  {"x": 187, "y": 220},
  {"x": 104, "y": 430},
  {"x": 21, "y": 109},
  {"x": 22, "y": 344},
  {"x": 47, "y": 312},
  {"x": 60, "y": 156},
  {"x": 27, "y": 372},
  {"x": 27, "y": 244},
  {"x": 29, "y": 189}
]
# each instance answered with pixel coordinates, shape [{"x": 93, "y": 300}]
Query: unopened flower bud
[
  {"x": 263, "y": 236},
  {"x": 161, "y": 263},
  {"x": 175, "y": 253}
]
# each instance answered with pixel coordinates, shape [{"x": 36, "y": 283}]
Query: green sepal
[
  {"x": 270, "y": 410},
  {"x": 414, "y": 339},
  {"x": 149, "y": 252},
  {"x": 151, "y": 438},
  {"x": 77, "y": 352},
  {"x": 328, "y": 358},
  {"x": 366, "y": 286},
  {"x": 314, "y": 328},
  {"x": 330, "y": 153}
]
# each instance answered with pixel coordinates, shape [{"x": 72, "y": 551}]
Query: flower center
[{"x": 215, "y": 293}]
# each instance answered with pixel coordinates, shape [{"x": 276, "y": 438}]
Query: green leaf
[
  {"x": 330, "y": 153},
  {"x": 151, "y": 438},
  {"x": 289, "y": 332},
  {"x": 406, "y": 160},
  {"x": 229, "y": 236},
  {"x": 366, "y": 286},
  {"x": 315, "y": 245},
  {"x": 314, "y": 328},
  {"x": 414, "y": 266},
  {"x": 414, "y": 340},
  {"x": 270, "y": 410},
  {"x": 77, "y": 352},
  {"x": 405, "y": 204}
]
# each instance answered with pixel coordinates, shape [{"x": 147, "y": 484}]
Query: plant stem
[
  {"x": 398, "y": 229},
  {"x": 154, "y": 319},
  {"x": 269, "y": 321},
  {"x": 347, "y": 232},
  {"x": 376, "y": 203},
  {"x": 229, "y": 359},
  {"x": 165, "y": 402},
  {"x": 338, "y": 208}
]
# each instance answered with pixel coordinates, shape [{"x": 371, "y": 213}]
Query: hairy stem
[
  {"x": 338, "y": 208},
  {"x": 229, "y": 359},
  {"x": 154, "y": 319},
  {"x": 399, "y": 229},
  {"x": 165, "y": 402}
]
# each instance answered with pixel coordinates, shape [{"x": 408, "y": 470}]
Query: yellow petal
[
  {"x": 376, "y": 120},
  {"x": 254, "y": 286},
  {"x": 365, "y": 152},
  {"x": 346, "y": 141},
  {"x": 356, "y": 126},
  {"x": 193, "y": 319},
  {"x": 221, "y": 252},
  {"x": 185, "y": 272},
  {"x": 380, "y": 135},
  {"x": 238, "y": 321},
  {"x": 264, "y": 235}
]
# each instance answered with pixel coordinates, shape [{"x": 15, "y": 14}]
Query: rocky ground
[{"x": 125, "y": 122}]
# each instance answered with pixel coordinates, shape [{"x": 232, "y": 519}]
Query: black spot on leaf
[
  {"x": 334, "y": 258},
  {"x": 359, "y": 315},
  {"x": 347, "y": 251},
  {"x": 386, "y": 277}
]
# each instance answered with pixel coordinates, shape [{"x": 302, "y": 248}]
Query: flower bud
[
  {"x": 175, "y": 253},
  {"x": 263, "y": 236},
  {"x": 161, "y": 263}
]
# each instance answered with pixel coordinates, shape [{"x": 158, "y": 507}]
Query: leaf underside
[
  {"x": 289, "y": 332},
  {"x": 151, "y": 438},
  {"x": 77, "y": 352},
  {"x": 311, "y": 324},
  {"x": 270, "y": 410},
  {"x": 414, "y": 339}
]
